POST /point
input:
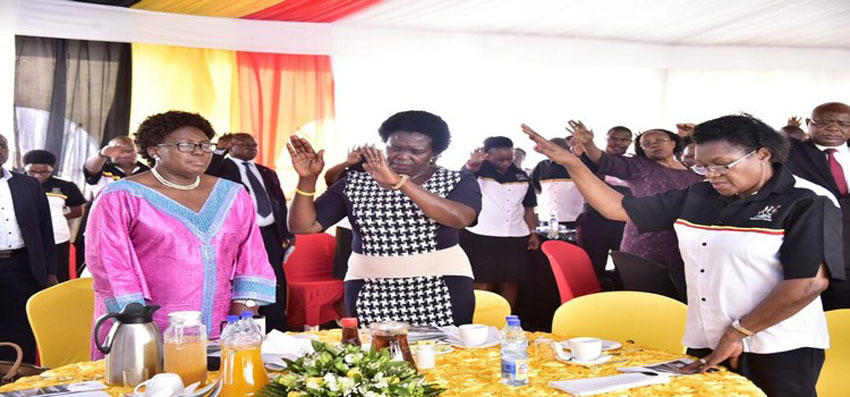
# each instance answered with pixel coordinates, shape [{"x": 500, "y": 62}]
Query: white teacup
[
  {"x": 586, "y": 349},
  {"x": 473, "y": 334},
  {"x": 159, "y": 385}
]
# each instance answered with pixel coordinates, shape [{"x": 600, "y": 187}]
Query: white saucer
[
  {"x": 606, "y": 345},
  {"x": 604, "y": 358},
  {"x": 482, "y": 346}
]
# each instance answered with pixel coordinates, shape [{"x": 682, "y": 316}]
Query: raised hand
[
  {"x": 795, "y": 121},
  {"x": 476, "y": 158},
  {"x": 305, "y": 160},
  {"x": 685, "y": 129},
  {"x": 547, "y": 148},
  {"x": 225, "y": 142},
  {"x": 354, "y": 156},
  {"x": 112, "y": 150},
  {"x": 376, "y": 165},
  {"x": 579, "y": 132}
]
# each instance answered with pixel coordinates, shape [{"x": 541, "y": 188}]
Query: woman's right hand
[
  {"x": 547, "y": 148},
  {"x": 306, "y": 161},
  {"x": 354, "y": 156},
  {"x": 476, "y": 158}
]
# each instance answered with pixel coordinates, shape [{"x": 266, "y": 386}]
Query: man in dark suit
[
  {"x": 27, "y": 254},
  {"x": 264, "y": 186},
  {"x": 825, "y": 160}
]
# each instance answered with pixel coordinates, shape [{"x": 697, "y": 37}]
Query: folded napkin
[
  {"x": 607, "y": 384},
  {"x": 279, "y": 345}
]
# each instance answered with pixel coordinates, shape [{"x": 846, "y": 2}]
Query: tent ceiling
[{"x": 788, "y": 23}]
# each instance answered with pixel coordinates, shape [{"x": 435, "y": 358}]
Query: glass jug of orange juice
[
  {"x": 242, "y": 370},
  {"x": 186, "y": 347}
]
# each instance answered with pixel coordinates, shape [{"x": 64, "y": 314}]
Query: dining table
[{"x": 476, "y": 372}]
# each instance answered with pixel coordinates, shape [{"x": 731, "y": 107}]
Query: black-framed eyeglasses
[
  {"x": 719, "y": 169},
  {"x": 825, "y": 123},
  {"x": 189, "y": 147}
]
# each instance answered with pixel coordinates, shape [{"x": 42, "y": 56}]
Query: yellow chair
[
  {"x": 834, "y": 379},
  {"x": 61, "y": 319},
  {"x": 490, "y": 309},
  {"x": 651, "y": 320}
]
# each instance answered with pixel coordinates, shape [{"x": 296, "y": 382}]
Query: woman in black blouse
[
  {"x": 405, "y": 213},
  {"x": 759, "y": 246}
]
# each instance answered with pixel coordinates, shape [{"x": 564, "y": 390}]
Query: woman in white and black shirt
[
  {"x": 759, "y": 246},
  {"x": 498, "y": 244},
  {"x": 405, "y": 213}
]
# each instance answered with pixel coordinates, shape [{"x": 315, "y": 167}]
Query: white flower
[
  {"x": 349, "y": 358},
  {"x": 331, "y": 382}
]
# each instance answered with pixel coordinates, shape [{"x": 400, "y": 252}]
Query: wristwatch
[{"x": 249, "y": 303}]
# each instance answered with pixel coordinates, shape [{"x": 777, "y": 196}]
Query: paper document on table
[
  {"x": 424, "y": 332},
  {"x": 90, "y": 388},
  {"x": 670, "y": 368},
  {"x": 607, "y": 384}
]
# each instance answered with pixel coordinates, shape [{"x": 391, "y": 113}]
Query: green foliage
[{"x": 345, "y": 370}]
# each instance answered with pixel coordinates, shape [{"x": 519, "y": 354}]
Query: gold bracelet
[
  {"x": 404, "y": 179},
  {"x": 303, "y": 193}
]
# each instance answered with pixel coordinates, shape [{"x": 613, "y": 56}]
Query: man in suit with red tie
[
  {"x": 264, "y": 186},
  {"x": 825, "y": 160}
]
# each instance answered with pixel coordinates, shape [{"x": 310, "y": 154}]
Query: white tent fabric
[
  {"x": 489, "y": 75},
  {"x": 797, "y": 23}
]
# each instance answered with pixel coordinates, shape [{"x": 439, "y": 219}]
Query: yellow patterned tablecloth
[{"x": 475, "y": 372}]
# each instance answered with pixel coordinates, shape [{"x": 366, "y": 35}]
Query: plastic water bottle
[
  {"x": 247, "y": 317},
  {"x": 514, "y": 354},
  {"x": 553, "y": 226}
]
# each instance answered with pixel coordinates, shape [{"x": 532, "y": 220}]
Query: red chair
[
  {"x": 572, "y": 268},
  {"x": 311, "y": 288}
]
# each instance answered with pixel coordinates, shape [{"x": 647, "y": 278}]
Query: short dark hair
[
  {"x": 40, "y": 157},
  {"x": 495, "y": 142},
  {"x": 520, "y": 150},
  {"x": 620, "y": 128},
  {"x": 418, "y": 121},
  {"x": 674, "y": 137},
  {"x": 562, "y": 142},
  {"x": 155, "y": 128},
  {"x": 746, "y": 132}
]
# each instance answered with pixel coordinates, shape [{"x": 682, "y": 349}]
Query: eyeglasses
[
  {"x": 719, "y": 169},
  {"x": 825, "y": 123},
  {"x": 189, "y": 147},
  {"x": 646, "y": 144}
]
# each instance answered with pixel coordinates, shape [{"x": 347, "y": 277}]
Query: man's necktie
[
  {"x": 837, "y": 171},
  {"x": 264, "y": 207}
]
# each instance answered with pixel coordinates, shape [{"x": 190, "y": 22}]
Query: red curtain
[
  {"x": 312, "y": 10},
  {"x": 281, "y": 94}
]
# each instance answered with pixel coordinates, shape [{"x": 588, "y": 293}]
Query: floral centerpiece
[{"x": 346, "y": 370}]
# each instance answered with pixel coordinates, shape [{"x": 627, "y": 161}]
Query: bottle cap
[
  {"x": 246, "y": 314},
  {"x": 349, "y": 322},
  {"x": 513, "y": 320},
  {"x": 232, "y": 318}
]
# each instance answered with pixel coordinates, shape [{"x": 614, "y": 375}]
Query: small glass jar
[
  {"x": 185, "y": 343},
  {"x": 392, "y": 335}
]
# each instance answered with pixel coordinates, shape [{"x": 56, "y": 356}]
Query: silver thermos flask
[{"x": 133, "y": 347}]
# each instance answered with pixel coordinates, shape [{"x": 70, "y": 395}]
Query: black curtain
[{"x": 71, "y": 97}]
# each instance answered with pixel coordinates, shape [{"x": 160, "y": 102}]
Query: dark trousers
[
  {"x": 17, "y": 285},
  {"x": 792, "y": 373},
  {"x": 598, "y": 236},
  {"x": 276, "y": 312},
  {"x": 63, "y": 259}
]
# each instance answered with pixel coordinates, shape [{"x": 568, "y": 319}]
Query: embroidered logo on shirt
[
  {"x": 56, "y": 190},
  {"x": 766, "y": 214}
]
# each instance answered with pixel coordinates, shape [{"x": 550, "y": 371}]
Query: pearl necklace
[{"x": 173, "y": 185}]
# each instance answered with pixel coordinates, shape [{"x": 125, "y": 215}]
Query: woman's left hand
[
  {"x": 376, "y": 165},
  {"x": 533, "y": 241},
  {"x": 547, "y": 148},
  {"x": 730, "y": 347}
]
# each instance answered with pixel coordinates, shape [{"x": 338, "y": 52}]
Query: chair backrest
[
  {"x": 572, "y": 268},
  {"x": 313, "y": 258},
  {"x": 640, "y": 274},
  {"x": 647, "y": 319},
  {"x": 60, "y": 317},
  {"x": 490, "y": 309},
  {"x": 834, "y": 379}
]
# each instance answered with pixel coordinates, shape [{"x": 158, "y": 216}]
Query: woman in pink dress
[{"x": 174, "y": 236}]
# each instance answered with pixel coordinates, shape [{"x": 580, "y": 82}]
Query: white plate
[
  {"x": 599, "y": 360},
  {"x": 484, "y": 346},
  {"x": 606, "y": 345}
]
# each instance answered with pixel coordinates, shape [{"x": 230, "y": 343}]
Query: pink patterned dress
[{"x": 142, "y": 246}]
